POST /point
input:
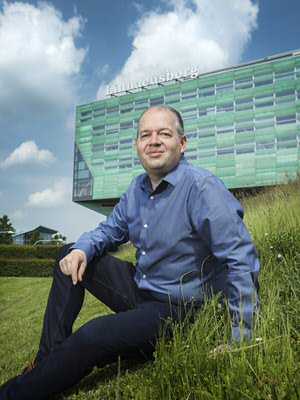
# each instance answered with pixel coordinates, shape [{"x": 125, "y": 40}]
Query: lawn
[{"x": 267, "y": 367}]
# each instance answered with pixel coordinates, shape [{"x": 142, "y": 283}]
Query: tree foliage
[
  {"x": 35, "y": 237},
  {"x": 6, "y": 230}
]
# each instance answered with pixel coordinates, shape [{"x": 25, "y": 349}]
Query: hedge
[
  {"x": 32, "y": 268},
  {"x": 9, "y": 251}
]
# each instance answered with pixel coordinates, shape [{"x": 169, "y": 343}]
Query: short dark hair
[{"x": 179, "y": 124}]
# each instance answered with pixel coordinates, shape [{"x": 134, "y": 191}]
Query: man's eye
[
  {"x": 165, "y": 134},
  {"x": 144, "y": 136}
]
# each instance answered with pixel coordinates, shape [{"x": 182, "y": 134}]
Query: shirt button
[
  {"x": 144, "y": 276},
  {"x": 145, "y": 225},
  {"x": 151, "y": 197},
  {"x": 143, "y": 253}
]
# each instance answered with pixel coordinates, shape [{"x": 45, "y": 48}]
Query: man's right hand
[{"x": 74, "y": 264}]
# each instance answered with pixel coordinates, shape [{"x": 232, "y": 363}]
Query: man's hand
[
  {"x": 221, "y": 349},
  {"x": 74, "y": 264}
]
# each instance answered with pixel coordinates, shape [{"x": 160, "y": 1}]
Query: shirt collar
[{"x": 172, "y": 177}]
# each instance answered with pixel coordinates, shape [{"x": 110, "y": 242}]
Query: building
[
  {"x": 242, "y": 124},
  {"x": 45, "y": 235}
]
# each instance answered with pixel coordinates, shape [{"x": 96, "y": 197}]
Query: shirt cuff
[
  {"x": 240, "y": 334},
  {"x": 85, "y": 247}
]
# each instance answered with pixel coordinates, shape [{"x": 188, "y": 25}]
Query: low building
[{"x": 45, "y": 235}]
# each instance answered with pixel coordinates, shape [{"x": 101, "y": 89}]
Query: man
[{"x": 191, "y": 242}]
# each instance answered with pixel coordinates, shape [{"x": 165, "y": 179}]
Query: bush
[
  {"x": 17, "y": 251},
  {"x": 32, "y": 268}
]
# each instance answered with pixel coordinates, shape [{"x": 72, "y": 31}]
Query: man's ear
[{"x": 183, "y": 141}]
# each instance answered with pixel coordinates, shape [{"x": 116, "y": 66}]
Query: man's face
[{"x": 158, "y": 145}]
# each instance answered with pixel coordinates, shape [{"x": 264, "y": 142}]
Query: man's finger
[
  {"x": 81, "y": 271},
  {"x": 74, "y": 276}
]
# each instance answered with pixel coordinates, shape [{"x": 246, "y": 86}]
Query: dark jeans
[{"x": 67, "y": 357}]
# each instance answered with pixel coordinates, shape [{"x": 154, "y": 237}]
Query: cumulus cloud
[
  {"x": 19, "y": 215},
  {"x": 210, "y": 34},
  {"x": 38, "y": 58},
  {"x": 52, "y": 196},
  {"x": 28, "y": 152}
]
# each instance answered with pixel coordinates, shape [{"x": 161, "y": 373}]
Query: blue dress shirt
[{"x": 190, "y": 238}]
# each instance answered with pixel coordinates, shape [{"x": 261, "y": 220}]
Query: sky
[{"x": 56, "y": 55}]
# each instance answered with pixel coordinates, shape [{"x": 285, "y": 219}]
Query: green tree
[
  {"x": 34, "y": 237},
  {"x": 59, "y": 238},
  {"x": 6, "y": 230}
]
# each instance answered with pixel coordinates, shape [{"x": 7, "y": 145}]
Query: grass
[{"x": 267, "y": 367}]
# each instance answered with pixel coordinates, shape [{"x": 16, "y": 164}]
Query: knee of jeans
[
  {"x": 63, "y": 251},
  {"x": 85, "y": 338}
]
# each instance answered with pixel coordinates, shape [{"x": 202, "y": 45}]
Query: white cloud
[
  {"x": 52, "y": 196},
  {"x": 38, "y": 59},
  {"x": 210, "y": 34},
  {"x": 28, "y": 152},
  {"x": 19, "y": 215}
]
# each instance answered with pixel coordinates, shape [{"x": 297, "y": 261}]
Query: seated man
[{"x": 191, "y": 242}]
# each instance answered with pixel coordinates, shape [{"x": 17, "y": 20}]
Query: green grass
[{"x": 267, "y": 368}]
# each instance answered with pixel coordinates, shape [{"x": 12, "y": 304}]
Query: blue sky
[{"x": 57, "y": 54}]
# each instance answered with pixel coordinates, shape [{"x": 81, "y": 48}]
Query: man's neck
[{"x": 155, "y": 182}]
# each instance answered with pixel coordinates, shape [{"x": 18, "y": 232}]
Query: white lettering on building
[{"x": 168, "y": 76}]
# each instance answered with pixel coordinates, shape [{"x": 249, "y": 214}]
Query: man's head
[
  {"x": 160, "y": 141},
  {"x": 179, "y": 121}
]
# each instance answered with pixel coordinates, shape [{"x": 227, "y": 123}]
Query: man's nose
[{"x": 154, "y": 139}]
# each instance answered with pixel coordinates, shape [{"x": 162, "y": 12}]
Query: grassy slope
[{"x": 183, "y": 369}]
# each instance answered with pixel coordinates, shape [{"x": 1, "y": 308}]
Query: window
[
  {"x": 126, "y": 108},
  {"x": 189, "y": 112},
  {"x": 98, "y": 113},
  {"x": 279, "y": 76},
  {"x": 111, "y": 129},
  {"x": 141, "y": 104},
  {"x": 225, "y": 150},
  {"x": 189, "y": 94},
  {"x": 86, "y": 116},
  {"x": 97, "y": 149},
  {"x": 224, "y": 107},
  {"x": 228, "y": 87},
  {"x": 111, "y": 147},
  {"x": 225, "y": 129},
  {"x": 287, "y": 142},
  {"x": 206, "y": 128},
  {"x": 245, "y": 103},
  {"x": 126, "y": 143},
  {"x": 157, "y": 101},
  {"x": 191, "y": 133},
  {"x": 286, "y": 96},
  {"x": 172, "y": 98},
  {"x": 111, "y": 164},
  {"x": 125, "y": 162},
  {"x": 126, "y": 125},
  {"x": 243, "y": 83},
  {"x": 244, "y": 148},
  {"x": 112, "y": 111},
  {"x": 286, "y": 119},
  {"x": 264, "y": 145},
  {"x": 263, "y": 80},
  {"x": 264, "y": 104},
  {"x": 97, "y": 129},
  {"x": 264, "y": 122}
]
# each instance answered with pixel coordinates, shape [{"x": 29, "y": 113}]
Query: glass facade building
[{"x": 242, "y": 124}]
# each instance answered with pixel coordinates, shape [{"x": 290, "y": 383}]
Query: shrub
[
  {"x": 33, "y": 267},
  {"x": 27, "y": 252}
]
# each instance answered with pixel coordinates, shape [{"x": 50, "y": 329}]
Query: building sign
[{"x": 191, "y": 73}]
